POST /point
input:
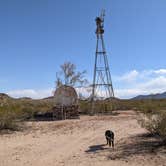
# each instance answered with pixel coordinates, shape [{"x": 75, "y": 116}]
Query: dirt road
[{"x": 82, "y": 143}]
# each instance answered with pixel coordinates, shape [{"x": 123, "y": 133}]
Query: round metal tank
[{"x": 65, "y": 96}]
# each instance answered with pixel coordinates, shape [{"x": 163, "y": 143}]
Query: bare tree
[{"x": 69, "y": 76}]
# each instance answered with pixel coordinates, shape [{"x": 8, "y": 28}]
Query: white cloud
[
  {"x": 128, "y": 93},
  {"x": 147, "y": 82},
  {"x": 130, "y": 76},
  {"x": 160, "y": 71},
  {"x": 35, "y": 94},
  {"x": 84, "y": 91},
  {"x": 126, "y": 85},
  {"x": 155, "y": 83}
]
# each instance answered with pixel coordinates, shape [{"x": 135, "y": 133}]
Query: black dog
[{"x": 109, "y": 135}]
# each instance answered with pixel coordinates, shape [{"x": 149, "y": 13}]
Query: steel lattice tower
[{"x": 102, "y": 84}]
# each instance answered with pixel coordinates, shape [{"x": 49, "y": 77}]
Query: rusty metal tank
[{"x": 65, "y": 96}]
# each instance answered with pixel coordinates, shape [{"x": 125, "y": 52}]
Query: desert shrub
[
  {"x": 7, "y": 119},
  {"x": 161, "y": 128},
  {"x": 84, "y": 107},
  {"x": 155, "y": 122},
  {"x": 11, "y": 114},
  {"x": 103, "y": 107},
  {"x": 14, "y": 111}
]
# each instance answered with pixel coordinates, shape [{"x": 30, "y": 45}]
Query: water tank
[{"x": 65, "y": 96}]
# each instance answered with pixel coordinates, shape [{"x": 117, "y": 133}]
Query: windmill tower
[{"x": 102, "y": 84}]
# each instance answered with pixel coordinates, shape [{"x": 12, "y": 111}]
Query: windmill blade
[{"x": 102, "y": 14}]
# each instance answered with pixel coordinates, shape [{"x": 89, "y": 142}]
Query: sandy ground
[{"x": 82, "y": 143}]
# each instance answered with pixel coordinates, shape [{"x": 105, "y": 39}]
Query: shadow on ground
[
  {"x": 138, "y": 145},
  {"x": 131, "y": 146},
  {"x": 96, "y": 148}
]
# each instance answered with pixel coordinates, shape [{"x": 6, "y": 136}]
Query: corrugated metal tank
[{"x": 65, "y": 96}]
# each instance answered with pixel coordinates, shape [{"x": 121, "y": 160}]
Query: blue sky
[{"x": 36, "y": 36}]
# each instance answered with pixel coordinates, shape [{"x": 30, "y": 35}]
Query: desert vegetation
[
  {"x": 47, "y": 140},
  {"x": 13, "y": 111},
  {"x": 82, "y": 142},
  {"x": 155, "y": 122},
  {"x": 152, "y": 111}
]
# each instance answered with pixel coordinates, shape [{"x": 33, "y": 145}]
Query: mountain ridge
[{"x": 151, "y": 96}]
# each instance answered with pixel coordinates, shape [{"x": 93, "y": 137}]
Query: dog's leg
[
  {"x": 107, "y": 141},
  {"x": 113, "y": 144}
]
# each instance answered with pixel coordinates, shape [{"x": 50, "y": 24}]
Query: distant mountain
[
  {"x": 151, "y": 96},
  {"x": 25, "y": 98},
  {"x": 4, "y": 96},
  {"x": 49, "y": 98}
]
